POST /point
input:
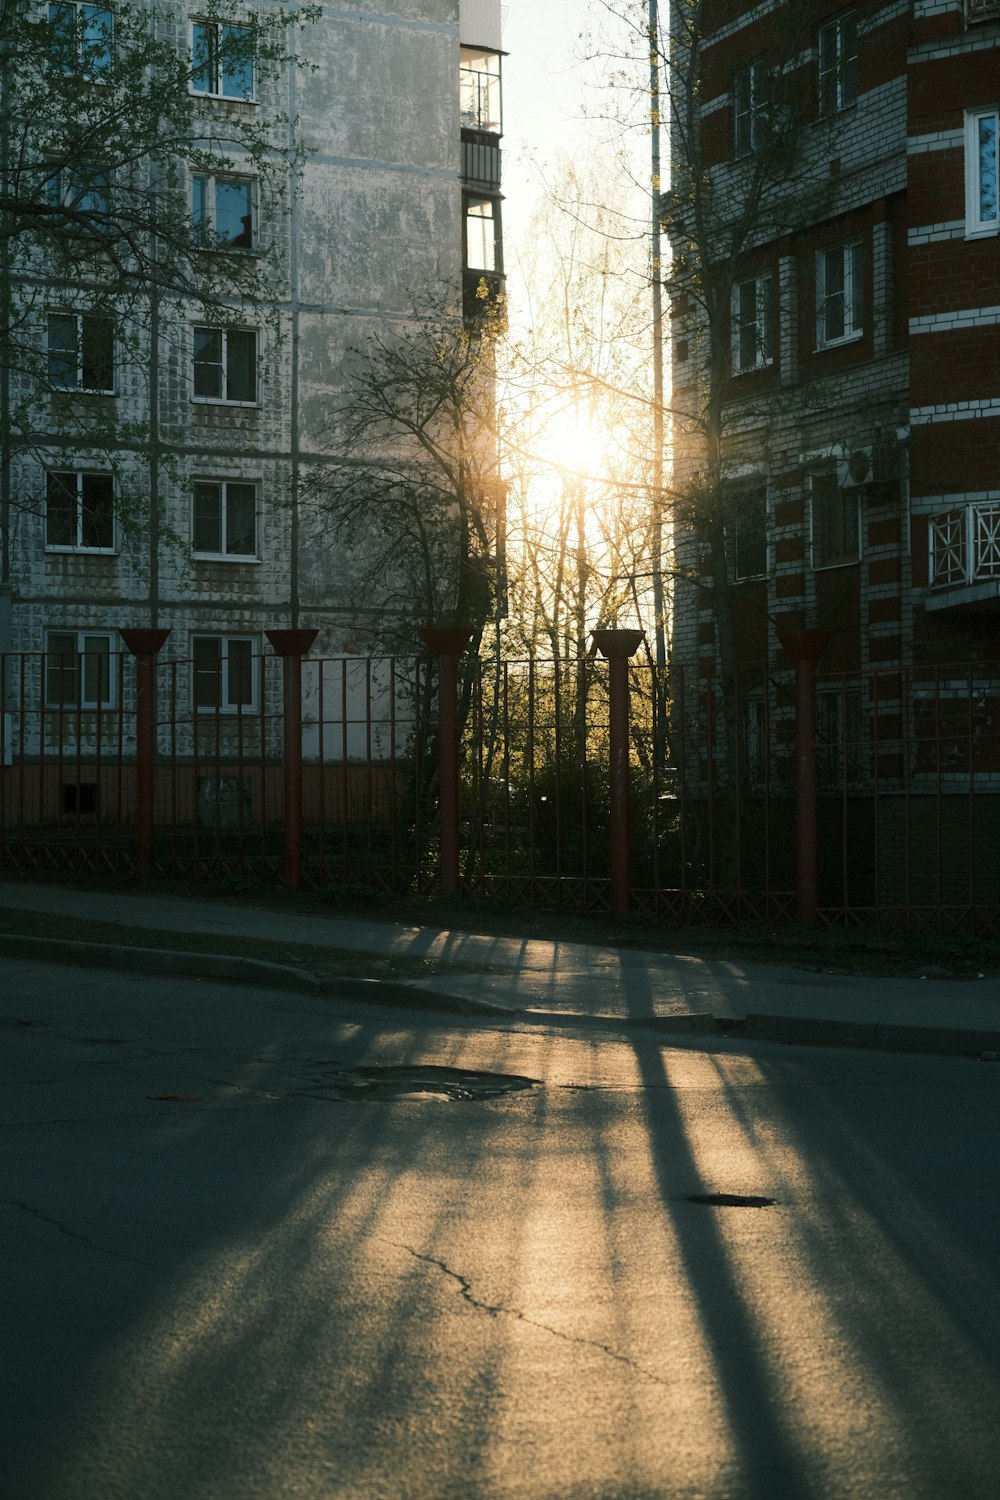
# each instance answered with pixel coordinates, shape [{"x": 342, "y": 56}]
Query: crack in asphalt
[
  {"x": 80, "y": 1239},
  {"x": 496, "y": 1309}
]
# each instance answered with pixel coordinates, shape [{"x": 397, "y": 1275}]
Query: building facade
[
  {"x": 835, "y": 236},
  {"x": 164, "y": 477}
]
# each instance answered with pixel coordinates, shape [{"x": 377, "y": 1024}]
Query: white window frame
[
  {"x": 480, "y": 90},
  {"x": 749, "y": 498},
  {"x": 753, "y": 80},
  {"x": 80, "y": 476},
  {"x": 92, "y": 56},
  {"x": 216, "y": 88},
  {"x": 853, "y": 271},
  {"x": 205, "y": 224},
  {"x": 80, "y": 191},
  {"x": 837, "y": 65},
  {"x": 224, "y": 399},
  {"x": 482, "y": 232},
  {"x": 851, "y": 496},
  {"x": 224, "y": 554},
  {"x": 80, "y": 319},
  {"x": 761, "y": 325},
  {"x": 227, "y": 704},
  {"x": 79, "y": 653},
  {"x": 976, "y": 225}
]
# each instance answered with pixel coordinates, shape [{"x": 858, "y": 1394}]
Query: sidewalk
[{"x": 540, "y": 979}]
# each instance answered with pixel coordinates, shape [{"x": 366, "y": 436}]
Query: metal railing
[{"x": 587, "y": 786}]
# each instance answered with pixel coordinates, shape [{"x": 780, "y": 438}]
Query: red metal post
[
  {"x": 804, "y": 648},
  {"x": 447, "y": 641},
  {"x": 144, "y": 646},
  {"x": 291, "y": 646},
  {"x": 618, "y": 646}
]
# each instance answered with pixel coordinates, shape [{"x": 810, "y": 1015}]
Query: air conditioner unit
[
  {"x": 856, "y": 470},
  {"x": 867, "y": 468}
]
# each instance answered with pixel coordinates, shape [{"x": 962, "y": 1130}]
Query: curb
[
  {"x": 229, "y": 968},
  {"x": 875, "y": 1036},
  {"x": 796, "y": 1031}
]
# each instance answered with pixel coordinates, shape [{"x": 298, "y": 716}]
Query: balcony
[{"x": 965, "y": 557}]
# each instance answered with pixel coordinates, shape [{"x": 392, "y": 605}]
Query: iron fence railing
[{"x": 906, "y": 763}]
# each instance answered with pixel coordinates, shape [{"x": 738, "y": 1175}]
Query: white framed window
[
  {"x": 80, "y": 352},
  {"x": 81, "y": 669},
  {"x": 749, "y": 532},
  {"x": 224, "y": 518},
  {"x": 751, "y": 100},
  {"x": 222, "y": 60},
  {"x": 839, "y": 294},
  {"x": 83, "y": 38},
  {"x": 224, "y": 212},
  {"x": 982, "y": 172},
  {"x": 79, "y": 511},
  {"x": 225, "y": 365},
  {"x": 481, "y": 233},
  {"x": 841, "y": 750},
  {"x": 84, "y": 193},
  {"x": 224, "y": 673},
  {"x": 838, "y": 64},
  {"x": 479, "y": 90},
  {"x": 752, "y": 317},
  {"x": 836, "y": 522}
]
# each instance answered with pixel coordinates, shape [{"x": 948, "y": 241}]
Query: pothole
[
  {"x": 731, "y": 1200},
  {"x": 417, "y": 1081}
]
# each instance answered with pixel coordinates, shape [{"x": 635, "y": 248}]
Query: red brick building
[{"x": 834, "y": 224}]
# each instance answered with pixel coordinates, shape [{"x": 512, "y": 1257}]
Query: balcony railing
[{"x": 965, "y": 546}]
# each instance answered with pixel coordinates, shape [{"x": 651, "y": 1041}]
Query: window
[
  {"x": 224, "y": 673},
  {"x": 840, "y": 749},
  {"x": 480, "y": 234},
  {"x": 750, "y": 533},
  {"x": 755, "y": 758},
  {"x": 222, "y": 209},
  {"x": 751, "y": 98},
  {"x": 80, "y": 669},
  {"x": 479, "y": 90},
  {"x": 80, "y": 352},
  {"x": 224, "y": 522},
  {"x": 225, "y": 364},
  {"x": 83, "y": 38},
  {"x": 836, "y": 530},
  {"x": 79, "y": 512},
  {"x": 85, "y": 195},
  {"x": 222, "y": 61},
  {"x": 982, "y": 171},
  {"x": 838, "y": 64},
  {"x": 752, "y": 318},
  {"x": 839, "y": 288}
]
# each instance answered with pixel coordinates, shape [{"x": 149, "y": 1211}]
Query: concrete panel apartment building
[
  {"x": 161, "y": 477},
  {"x": 834, "y": 221}
]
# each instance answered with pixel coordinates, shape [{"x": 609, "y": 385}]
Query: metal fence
[{"x": 342, "y": 786}]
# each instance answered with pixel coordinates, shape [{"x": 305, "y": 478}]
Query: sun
[{"x": 574, "y": 444}]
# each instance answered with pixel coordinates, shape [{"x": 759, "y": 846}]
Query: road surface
[{"x": 253, "y": 1247}]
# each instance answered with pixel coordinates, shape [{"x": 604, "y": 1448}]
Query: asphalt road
[{"x": 232, "y": 1266}]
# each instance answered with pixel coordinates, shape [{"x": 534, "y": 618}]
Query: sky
[{"x": 552, "y": 104}]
